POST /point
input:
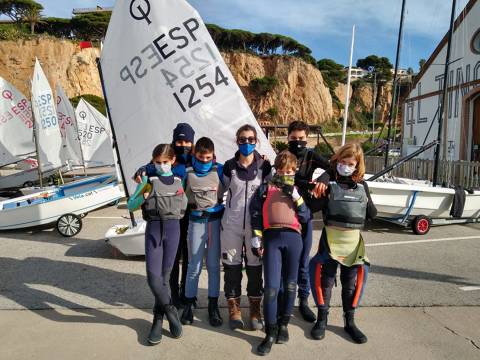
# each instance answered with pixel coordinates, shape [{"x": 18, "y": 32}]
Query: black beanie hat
[{"x": 183, "y": 131}]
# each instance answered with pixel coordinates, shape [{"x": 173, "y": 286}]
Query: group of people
[{"x": 264, "y": 226}]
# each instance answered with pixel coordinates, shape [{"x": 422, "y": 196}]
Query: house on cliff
[{"x": 461, "y": 125}]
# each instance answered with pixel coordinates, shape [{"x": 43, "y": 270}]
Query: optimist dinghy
[{"x": 63, "y": 205}]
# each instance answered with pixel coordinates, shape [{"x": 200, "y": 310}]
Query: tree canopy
[
  {"x": 20, "y": 10},
  {"x": 382, "y": 66}
]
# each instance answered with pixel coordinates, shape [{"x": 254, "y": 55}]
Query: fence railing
[{"x": 464, "y": 173}]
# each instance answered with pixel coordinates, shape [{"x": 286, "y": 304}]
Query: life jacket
[
  {"x": 347, "y": 208},
  {"x": 202, "y": 191},
  {"x": 279, "y": 211},
  {"x": 239, "y": 195},
  {"x": 165, "y": 202}
]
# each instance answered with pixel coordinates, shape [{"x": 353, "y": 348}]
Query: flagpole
[
  {"x": 114, "y": 138},
  {"x": 347, "y": 98}
]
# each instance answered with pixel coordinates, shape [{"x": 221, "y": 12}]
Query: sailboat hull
[{"x": 47, "y": 205}]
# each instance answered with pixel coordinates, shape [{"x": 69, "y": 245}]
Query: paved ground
[{"x": 68, "y": 298}]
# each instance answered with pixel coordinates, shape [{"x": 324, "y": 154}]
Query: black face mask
[
  {"x": 181, "y": 152},
  {"x": 297, "y": 147}
]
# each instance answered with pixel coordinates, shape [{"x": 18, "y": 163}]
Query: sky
[{"x": 325, "y": 26}]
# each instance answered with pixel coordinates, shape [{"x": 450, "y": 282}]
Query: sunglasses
[{"x": 250, "y": 140}]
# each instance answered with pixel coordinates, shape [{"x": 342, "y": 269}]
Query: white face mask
[
  {"x": 345, "y": 170},
  {"x": 163, "y": 169}
]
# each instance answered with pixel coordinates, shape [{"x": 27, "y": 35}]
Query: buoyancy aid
[
  {"x": 202, "y": 191},
  {"x": 164, "y": 202},
  {"x": 347, "y": 208},
  {"x": 279, "y": 211}
]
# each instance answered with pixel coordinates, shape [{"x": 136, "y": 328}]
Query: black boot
[
  {"x": 213, "y": 312},
  {"x": 318, "y": 330},
  {"x": 173, "y": 321},
  {"x": 307, "y": 314},
  {"x": 176, "y": 300},
  {"x": 155, "y": 335},
  {"x": 187, "y": 314},
  {"x": 282, "y": 336},
  {"x": 352, "y": 329},
  {"x": 266, "y": 345}
]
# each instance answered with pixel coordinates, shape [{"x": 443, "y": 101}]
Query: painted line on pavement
[
  {"x": 469, "y": 288},
  {"x": 423, "y": 241}
]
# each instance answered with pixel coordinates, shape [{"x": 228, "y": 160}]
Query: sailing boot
[
  {"x": 174, "y": 323},
  {"x": 256, "y": 322},
  {"x": 213, "y": 312},
  {"x": 282, "y": 336},
  {"x": 235, "y": 314},
  {"x": 352, "y": 329},
  {"x": 318, "y": 330},
  {"x": 267, "y": 343},
  {"x": 155, "y": 335},
  {"x": 307, "y": 314},
  {"x": 187, "y": 314}
]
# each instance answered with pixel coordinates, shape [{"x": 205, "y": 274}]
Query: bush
[
  {"x": 262, "y": 86},
  {"x": 14, "y": 32},
  {"x": 272, "y": 112},
  {"x": 96, "y": 101},
  {"x": 57, "y": 27},
  {"x": 323, "y": 149},
  {"x": 280, "y": 146}
]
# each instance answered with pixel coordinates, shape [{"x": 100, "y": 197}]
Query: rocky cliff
[{"x": 299, "y": 94}]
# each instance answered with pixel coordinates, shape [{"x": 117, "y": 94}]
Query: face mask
[
  {"x": 163, "y": 169},
  {"x": 246, "y": 149},
  {"x": 297, "y": 147},
  {"x": 345, "y": 170},
  {"x": 201, "y": 167},
  {"x": 283, "y": 179},
  {"x": 182, "y": 152}
]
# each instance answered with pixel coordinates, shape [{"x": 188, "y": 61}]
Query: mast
[
  {"x": 394, "y": 95},
  {"x": 35, "y": 140},
  {"x": 445, "y": 92},
  {"x": 75, "y": 123},
  {"x": 114, "y": 138},
  {"x": 347, "y": 99}
]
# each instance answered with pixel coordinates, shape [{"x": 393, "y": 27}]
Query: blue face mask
[
  {"x": 200, "y": 166},
  {"x": 246, "y": 149}
]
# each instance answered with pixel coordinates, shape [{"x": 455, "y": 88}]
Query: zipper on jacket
[{"x": 245, "y": 205}]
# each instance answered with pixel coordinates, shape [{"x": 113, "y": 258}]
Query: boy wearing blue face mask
[
  {"x": 203, "y": 187},
  {"x": 242, "y": 175},
  {"x": 163, "y": 202}
]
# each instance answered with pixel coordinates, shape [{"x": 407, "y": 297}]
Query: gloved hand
[
  {"x": 257, "y": 248},
  {"x": 295, "y": 194},
  {"x": 287, "y": 189}
]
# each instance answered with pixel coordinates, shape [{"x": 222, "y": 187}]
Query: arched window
[{"x": 475, "y": 43}]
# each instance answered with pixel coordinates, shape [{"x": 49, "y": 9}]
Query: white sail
[
  {"x": 161, "y": 67},
  {"x": 47, "y": 128},
  {"x": 16, "y": 124},
  {"x": 71, "y": 151},
  {"x": 95, "y": 135}
]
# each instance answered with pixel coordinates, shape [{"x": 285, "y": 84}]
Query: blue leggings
[
  {"x": 161, "y": 243},
  {"x": 281, "y": 259}
]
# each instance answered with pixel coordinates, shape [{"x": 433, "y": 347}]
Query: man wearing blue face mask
[
  {"x": 242, "y": 175},
  {"x": 203, "y": 188}
]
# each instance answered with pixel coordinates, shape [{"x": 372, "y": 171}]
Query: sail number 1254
[{"x": 190, "y": 95}]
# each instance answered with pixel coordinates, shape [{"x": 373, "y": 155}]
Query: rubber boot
[
  {"x": 213, "y": 312},
  {"x": 267, "y": 343},
  {"x": 235, "y": 315},
  {"x": 256, "y": 322},
  {"x": 282, "y": 336},
  {"x": 352, "y": 329},
  {"x": 187, "y": 314},
  {"x": 155, "y": 335},
  {"x": 307, "y": 314},
  {"x": 174, "y": 323},
  {"x": 318, "y": 330}
]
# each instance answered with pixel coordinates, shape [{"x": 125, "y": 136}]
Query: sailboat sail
[
  {"x": 161, "y": 67},
  {"x": 95, "y": 135},
  {"x": 16, "y": 124},
  {"x": 47, "y": 129},
  {"x": 71, "y": 151}
]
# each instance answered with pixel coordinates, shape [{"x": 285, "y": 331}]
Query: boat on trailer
[{"x": 63, "y": 205}]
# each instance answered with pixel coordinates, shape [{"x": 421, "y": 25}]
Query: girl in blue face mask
[
  {"x": 163, "y": 202},
  {"x": 242, "y": 175},
  {"x": 203, "y": 187}
]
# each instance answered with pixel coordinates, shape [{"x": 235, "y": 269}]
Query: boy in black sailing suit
[{"x": 308, "y": 162}]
